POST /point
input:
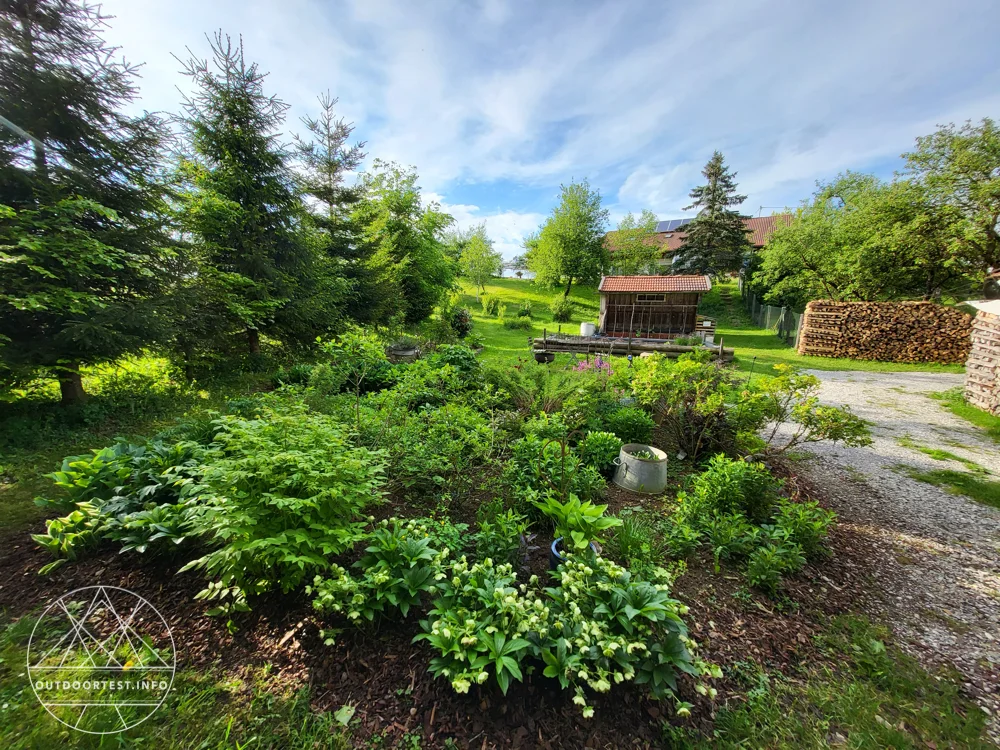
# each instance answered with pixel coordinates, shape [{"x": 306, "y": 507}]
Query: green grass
[
  {"x": 940, "y": 455},
  {"x": 954, "y": 401},
  {"x": 204, "y": 711},
  {"x": 735, "y": 329},
  {"x": 985, "y": 491},
  {"x": 505, "y": 345},
  {"x": 876, "y": 697}
]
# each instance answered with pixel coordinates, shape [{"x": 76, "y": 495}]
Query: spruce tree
[
  {"x": 242, "y": 209},
  {"x": 717, "y": 238},
  {"x": 83, "y": 258}
]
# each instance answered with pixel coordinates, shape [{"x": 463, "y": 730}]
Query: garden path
[{"x": 939, "y": 581}]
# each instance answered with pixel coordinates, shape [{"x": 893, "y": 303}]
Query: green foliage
[
  {"x": 500, "y": 533},
  {"x": 278, "y": 497},
  {"x": 599, "y": 449},
  {"x": 399, "y": 567},
  {"x": 248, "y": 271},
  {"x": 491, "y": 304},
  {"x": 959, "y": 167},
  {"x": 729, "y": 536},
  {"x": 717, "y": 237},
  {"x": 524, "y": 309},
  {"x": 598, "y": 627},
  {"x": 578, "y": 522},
  {"x": 772, "y": 560},
  {"x": 640, "y": 543},
  {"x": 478, "y": 260},
  {"x": 864, "y": 239},
  {"x": 630, "y": 424},
  {"x": 537, "y": 467},
  {"x": 547, "y": 426},
  {"x": 733, "y": 485},
  {"x": 691, "y": 399},
  {"x": 404, "y": 265},
  {"x": 517, "y": 324},
  {"x": 85, "y": 253},
  {"x": 460, "y": 320},
  {"x": 632, "y": 248},
  {"x": 569, "y": 246},
  {"x": 436, "y": 448},
  {"x": 806, "y": 524},
  {"x": 562, "y": 310},
  {"x": 297, "y": 374}
]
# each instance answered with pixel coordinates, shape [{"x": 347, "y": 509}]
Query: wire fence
[{"x": 785, "y": 323}]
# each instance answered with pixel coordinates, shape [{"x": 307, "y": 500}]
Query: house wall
[{"x": 625, "y": 314}]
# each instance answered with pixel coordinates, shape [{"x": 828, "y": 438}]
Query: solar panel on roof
[{"x": 672, "y": 225}]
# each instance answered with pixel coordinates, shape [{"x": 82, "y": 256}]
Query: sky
[{"x": 497, "y": 103}]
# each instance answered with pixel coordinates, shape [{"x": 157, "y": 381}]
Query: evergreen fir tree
[
  {"x": 717, "y": 238},
  {"x": 253, "y": 262},
  {"x": 83, "y": 258}
]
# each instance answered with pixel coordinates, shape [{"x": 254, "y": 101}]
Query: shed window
[{"x": 651, "y": 297}]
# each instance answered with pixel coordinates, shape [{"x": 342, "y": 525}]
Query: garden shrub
[
  {"x": 533, "y": 472},
  {"x": 524, "y": 309},
  {"x": 639, "y": 543},
  {"x": 297, "y": 374},
  {"x": 600, "y": 449},
  {"x": 729, "y": 536},
  {"x": 546, "y": 426},
  {"x": 631, "y": 424},
  {"x": 462, "y": 358},
  {"x": 400, "y": 565},
  {"x": 806, "y": 524},
  {"x": 774, "y": 558},
  {"x": 588, "y": 405},
  {"x": 500, "y": 533},
  {"x": 491, "y": 304},
  {"x": 278, "y": 497},
  {"x": 596, "y": 628},
  {"x": 435, "y": 447},
  {"x": 517, "y": 324},
  {"x": 460, "y": 320},
  {"x": 562, "y": 310},
  {"x": 731, "y": 485}
]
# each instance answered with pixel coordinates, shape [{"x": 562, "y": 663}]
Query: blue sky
[{"x": 496, "y": 103}]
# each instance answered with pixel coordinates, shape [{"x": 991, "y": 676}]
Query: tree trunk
[
  {"x": 253, "y": 340},
  {"x": 568, "y": 287},
  {"x": 71, "y": 385}
]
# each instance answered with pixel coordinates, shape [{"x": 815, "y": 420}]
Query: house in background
[
  {"x": 670, "y": 235},
  {"x": 655, "y": 307}
]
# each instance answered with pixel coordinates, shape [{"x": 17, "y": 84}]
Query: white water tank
[{"x": 587, "y": 329}]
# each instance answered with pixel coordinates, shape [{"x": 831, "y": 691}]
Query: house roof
[
  {"x": 764, "y": 226},
  {"x": 654, "y": 284}
]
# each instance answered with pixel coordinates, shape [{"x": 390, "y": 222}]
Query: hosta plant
[
  {"x": 578, "y": 523},
  {"x": 398, "y": 568}
]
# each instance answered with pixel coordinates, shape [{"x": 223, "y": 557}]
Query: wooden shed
[{"x": 658, "y": 307}]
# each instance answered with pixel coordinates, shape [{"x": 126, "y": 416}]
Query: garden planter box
[{"x": 646, "y": 475}]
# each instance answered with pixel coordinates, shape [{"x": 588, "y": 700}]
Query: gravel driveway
[{"x": 939, "y": 580}]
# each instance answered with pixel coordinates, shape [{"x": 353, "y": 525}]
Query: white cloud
[
  {"x": 635, "y": 96},
  {"x": 507, "y": 229}
]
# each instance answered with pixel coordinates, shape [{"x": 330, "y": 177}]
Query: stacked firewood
[
  {"x": 885, "y": 331},
  {"x": 982, "y": 371}
]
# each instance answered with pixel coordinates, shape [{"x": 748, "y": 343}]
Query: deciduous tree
[
  {"x": 569, "y": 246},
  {"x": 632, "y": 248},
  {"x": 479, "y": 261}
]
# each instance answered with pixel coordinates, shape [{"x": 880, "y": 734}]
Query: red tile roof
[
  {"x": 655, "y": 284},
  {"x": 764, "y": 226}
]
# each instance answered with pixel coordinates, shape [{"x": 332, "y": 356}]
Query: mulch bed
[{"x": 385, "y": 675}]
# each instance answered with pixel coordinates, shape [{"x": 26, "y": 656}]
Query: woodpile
[
  {"x": 982, "y": 371},
  {"x": 886, "y": 331}
]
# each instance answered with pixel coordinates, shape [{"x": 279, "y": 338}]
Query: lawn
[{"x": 756, "y": 348}]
